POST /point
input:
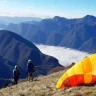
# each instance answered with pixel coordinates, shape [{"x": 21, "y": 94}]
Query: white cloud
[{"x": 65, "y": 55}]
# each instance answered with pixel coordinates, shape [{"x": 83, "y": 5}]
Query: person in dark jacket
[
  {"x": 16, "y": 74},
  {"x": 30, "y": 70}
]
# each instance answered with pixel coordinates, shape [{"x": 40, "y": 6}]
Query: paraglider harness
[
  {"x": 16, "y": 74},
  {"x": 30, "y": 68},
  {"x": 30, "y": 71}
]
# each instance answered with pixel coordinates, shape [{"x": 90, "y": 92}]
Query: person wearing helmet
[
  {"x": 30, "y": 70},
  {"x": 16, "y": 74}
]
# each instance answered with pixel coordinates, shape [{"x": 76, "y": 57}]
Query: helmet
[
  {"x": 29, "y": 61},
  {"x": 16, "y": 66}
]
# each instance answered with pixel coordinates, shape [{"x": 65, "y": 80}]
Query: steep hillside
[
  {"x": 89, "y": 46},
  {"x": 5, "y": 71},
  {"x": 18, "y": 50},
  {"x": 45, "y": 86},
  {"x": 59, "y": 31}
]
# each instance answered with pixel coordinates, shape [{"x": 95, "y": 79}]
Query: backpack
[
  {"x": 16, "y": 73},
  {"x": 30, "y": 67}
]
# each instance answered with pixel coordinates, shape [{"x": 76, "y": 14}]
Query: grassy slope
[{"x": 45, "y": 86}]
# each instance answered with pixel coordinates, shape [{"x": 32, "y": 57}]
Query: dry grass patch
[{"x": 45, "y": 86}]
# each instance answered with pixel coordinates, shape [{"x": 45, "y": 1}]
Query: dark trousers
[
  {"x": 30, "y": 75},
  {"x": 16, "y": 80}
]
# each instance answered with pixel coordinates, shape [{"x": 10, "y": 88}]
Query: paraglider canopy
[{"x": 83, "y": 72}]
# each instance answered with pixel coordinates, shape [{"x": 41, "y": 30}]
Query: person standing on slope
[
  {"x": 16, "y": 74},
  {"x": 30, "y": 70}
]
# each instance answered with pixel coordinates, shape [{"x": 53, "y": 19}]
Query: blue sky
[{"x": 48, "y": 8}]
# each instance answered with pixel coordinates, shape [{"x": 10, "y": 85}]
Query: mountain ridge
[
  {"x": 16, "y": 19},
  {"x": 18, "y": 50},
  {"x": 59, "y": 31}
]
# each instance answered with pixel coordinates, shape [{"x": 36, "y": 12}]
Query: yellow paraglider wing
[{"x": 83, "y": 72}]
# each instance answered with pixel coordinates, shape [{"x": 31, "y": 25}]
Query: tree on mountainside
[{"x": 5, "y": 85}]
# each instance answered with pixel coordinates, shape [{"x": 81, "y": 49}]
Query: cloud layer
[{"x": 65, "y": 55}]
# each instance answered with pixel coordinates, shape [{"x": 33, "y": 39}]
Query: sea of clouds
[{"x": 65, "y": 56}]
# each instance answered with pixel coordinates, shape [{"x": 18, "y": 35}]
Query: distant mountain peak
[
  {"x": 57, "y": 18},
  {"x": 89, "y": 16}
]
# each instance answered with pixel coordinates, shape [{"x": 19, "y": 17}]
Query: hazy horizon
[
  {"x": 48, "y": 9},
  {"x": 65, "y": 56}
]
